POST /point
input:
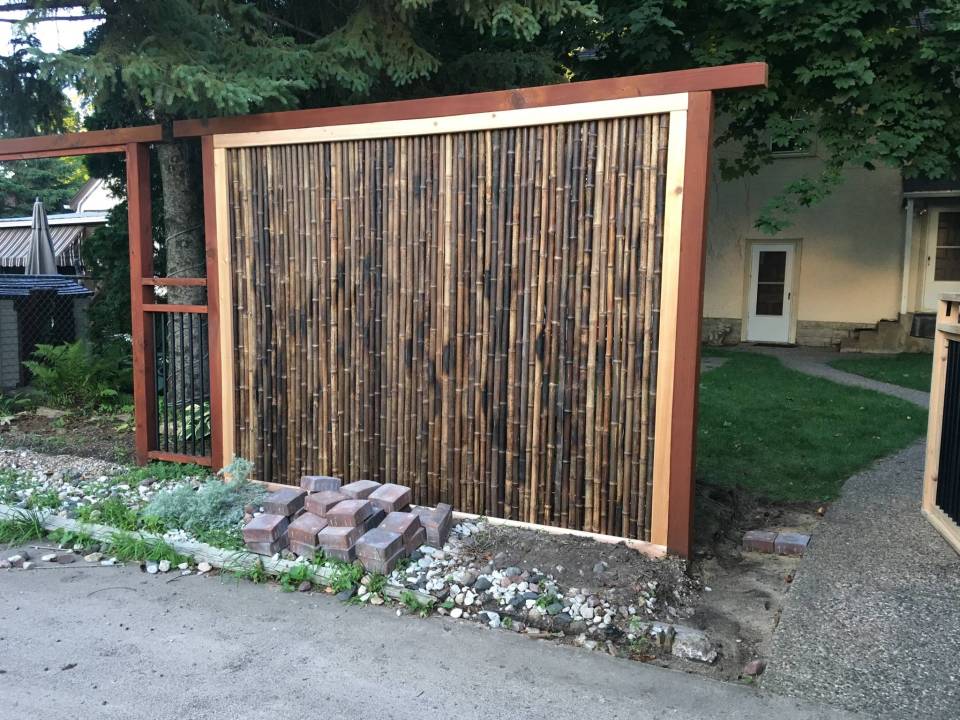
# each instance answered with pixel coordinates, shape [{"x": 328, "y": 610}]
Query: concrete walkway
[
  {"x": 813, "y": 361},
  {"x": 871, "y": 620},
  {"x": 107, "y": 643}
]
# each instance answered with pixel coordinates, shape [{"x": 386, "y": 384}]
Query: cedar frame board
[
  {"x": 948, "y": 328},
  {"x": 681, "y": 285}
]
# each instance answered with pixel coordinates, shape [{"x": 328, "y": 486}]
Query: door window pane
[
  {"x": 771, "y": 272},
  {"x": 947, "y": 261},
  {"x": 773, "y": 264}
]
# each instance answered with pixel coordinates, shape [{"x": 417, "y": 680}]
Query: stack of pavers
[{"x": 362, "y": 520}]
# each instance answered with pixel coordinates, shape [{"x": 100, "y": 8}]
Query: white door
[
  {"x": 942, "y": 271},
  {"x": 771, "y": 294}
]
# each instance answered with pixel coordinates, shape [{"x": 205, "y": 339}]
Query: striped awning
[{"x": 15, "y": 244}]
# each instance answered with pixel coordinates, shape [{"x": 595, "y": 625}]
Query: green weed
[
  {"x": 410, "y": 601},
  {"x": 23, "y": 526},
  {"x": 346, "y": 576},
  {"x": 290, "y": 579},
  {"x": 44, "y": 500},
  {"x": 134, "y": 546}
]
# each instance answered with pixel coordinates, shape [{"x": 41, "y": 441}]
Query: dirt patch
[
  {"x": 106, "y": 437},
  {"x": 743, "y": 592},
  {"x": 621, "y": 574}
]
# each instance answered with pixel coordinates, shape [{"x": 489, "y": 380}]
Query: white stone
[
  {"x": 183, "y": 566},
  {"x": 164, "y": 566},
  {"x": 108, "y": 562},
  {"x": 204, "y": 567},
  {"x": 468, "y": 598},
  {"x": 93, "y": 557},
  {"x": 152, "y": 568},
  {"x": 456, "y": 612},
  {"x": 27, "y": 565},
  {"x": 586, "y": 612},
  {"x": 49, "y": 557}
]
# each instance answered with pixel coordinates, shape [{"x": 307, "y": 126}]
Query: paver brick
[
  {"x": 437, "y": 523},
  {"x": 759, "y": 541},
  {"x": 346, "y": 555},
  {"x": 320, "y": 483},
  {"x": 391, "y": 497},
  {"x": 303, "y": 549},
  {"x": 791, "y": 543},
  {"x": 320, "y": 503},
  {"x": 379, "y": 544},
  {"x": 384, "y": 567},
  {"x": 374, "y": 519},
  {"x": 265, "y": 528},
  {"x": 418, "y": 539},
  {"x": 267, "y": 548},
  {"x": 284, "y": 502},
  {"x": 405, "y": 523},
  {"x": 360, "y": 489},
  {"x": 350, "y": 513},
  {"x": 304, "y": 529},
  {"x": 338, "y": 538}
]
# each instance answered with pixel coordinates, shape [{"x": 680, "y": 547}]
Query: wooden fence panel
[{"x": 474, "y": 314}]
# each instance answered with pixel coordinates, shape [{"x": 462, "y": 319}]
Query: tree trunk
[{"x": 185, "y": 362}]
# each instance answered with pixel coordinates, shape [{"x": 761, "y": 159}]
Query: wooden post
[
  {"x": 686, "y": 369},
  {"x": 141, "y": 267}
]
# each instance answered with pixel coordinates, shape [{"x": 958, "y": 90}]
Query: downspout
[{"x": 907, "y": 252}]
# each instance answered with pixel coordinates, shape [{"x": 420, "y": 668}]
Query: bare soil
[
  {"x": 106, "y": 437},
  {"x": 733, "y": 596}
]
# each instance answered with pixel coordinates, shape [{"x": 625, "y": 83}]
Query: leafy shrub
[
  {"x": 214, "y": 506},
  {"x": 72, "y": 376}
]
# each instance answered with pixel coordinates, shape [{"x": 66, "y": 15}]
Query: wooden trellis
[{"x": 495, "y": 298}]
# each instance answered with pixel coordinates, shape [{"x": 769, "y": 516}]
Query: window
[
  {"x": 947, "y": 265},
  {"x": 791, "y": 148}
]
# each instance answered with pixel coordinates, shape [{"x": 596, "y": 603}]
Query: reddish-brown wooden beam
[
  {"x": 99, "y": 150},
  {"x": 725, "y": 77},
  {"x": 81, "y": 143},
  {"x": 686, "y": 377},
  {"x": 179, "y": 458},
  {"x": 175, "y": 282},
  {"x": 214, "y": 323},
  {"x": 168, "y": 308},
  {"x": 141, "y": 266}
]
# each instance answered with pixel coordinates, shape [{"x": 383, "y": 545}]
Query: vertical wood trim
[
  {"x": 947, "y": 312},
  {"x": 684, "y": 361},
  {"x": 670, "y": 268},
  {"x": 219, "y": 302},
  {"x": 210, "y": 225},
  {"x": 141, "y": 266}
]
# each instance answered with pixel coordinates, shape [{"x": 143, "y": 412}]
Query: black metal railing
[
  {"x": 948, "y": 474},
  {"x": 182, "y": 377}
]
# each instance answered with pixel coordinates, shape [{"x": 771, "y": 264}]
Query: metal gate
[{"x": 941, "y": 487}]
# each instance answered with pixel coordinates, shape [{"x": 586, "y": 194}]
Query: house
[
  {"x": 88, "y": 211},
  {"x": 859, "y": 271}
]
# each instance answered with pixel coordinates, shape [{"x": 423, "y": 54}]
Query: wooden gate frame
[
  {"x": 687, "y": 178},
  {"x": 948, "y": 328}
]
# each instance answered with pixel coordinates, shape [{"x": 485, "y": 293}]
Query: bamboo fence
[{"x": 472, "y": 314}]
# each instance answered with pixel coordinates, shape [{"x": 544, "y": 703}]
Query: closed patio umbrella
[{"x": 40, "y": 258}]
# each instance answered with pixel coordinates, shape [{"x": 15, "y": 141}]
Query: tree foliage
[
  {"x": 875, "y": 82},
  {"x": 54, "y": 180}
]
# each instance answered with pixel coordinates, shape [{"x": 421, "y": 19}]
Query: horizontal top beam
[
  {"x": 723, "y": 77},
  {"x": 81, "y": 143}
]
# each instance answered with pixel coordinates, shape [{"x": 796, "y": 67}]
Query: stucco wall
[
  {"x": 9, "y": 345},
  {"x": 850, "y": 250}
]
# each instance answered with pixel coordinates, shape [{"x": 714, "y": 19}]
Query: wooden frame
[
  {"x": 948, "y": 328},
  {"x": 682, "y": 271},
  {"x": 686, "y": 95}
]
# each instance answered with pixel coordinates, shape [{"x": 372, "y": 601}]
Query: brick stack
[{"x": 362, "y": 520}]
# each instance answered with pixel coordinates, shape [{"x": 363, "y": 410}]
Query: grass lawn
[
  {"x": 911, "y": 370},
  {"x": 786, "y": 436}
]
